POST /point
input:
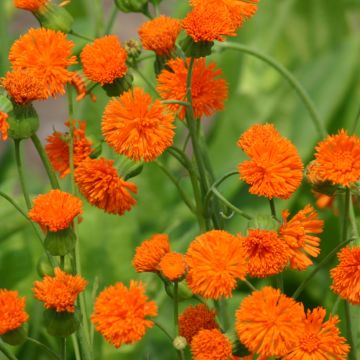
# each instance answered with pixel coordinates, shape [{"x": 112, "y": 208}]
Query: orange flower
[
  {"x": 31, "y": 5},
  {"x": 12, "y": 311},
  {"x": 320, "y": 340},
  {"x": 55, "y": 210},
  {"x": 46, "y": 54},
  {"x": 267, "y": 254},
  {"x": 136, "y": 128},
  {"x": 160, "y": 34},
  {"x": 275, "y": 168},
  {"x": 209, "y": 21},
  {"x": 211, "y": 344},
  {"x": 215, "y": 260},
  {"x": 208, "y": 93},
  {"x": 297, "y": 235},
  {"x": 23, "y": 87},
  {"x": 104, "y": 60},
  {"x": 238, "y": 10},
  {"x": 194, "y": 319},
  {"x": 80, "y": 86},
  {"x": 149, "y": 254},
  {"x": 57, "y": 148},
  {"x": 120, "y": 314},
  {"x": 338, "y": 159},
  {"x": 4, "y": 125},
  {"x": 346, "y": 276},
  {"x": 100, "y": 183},
  {"x": 324, "y": 201},
  {"x": 59, "y": 292},
  {"x": 270, "y": 323},
  {"x": 173, "y": 266}
]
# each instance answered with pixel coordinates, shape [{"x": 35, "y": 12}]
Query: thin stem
[
  {"x": 163, "y": 330},
  {"x": 273, "y": 209},
  {"x": 176, "y": 183},
  {"x": 147, "y": 82},
  {"x": 112, "y": 19},
  {"x": 76, "y": 347},
  {"x": 176, "y": 307},
  {"x": 80, "y": 36},
  {"x": 250, "y": 285},
  {"x": 288, "y": 76},
  {"x": 356, "y": 123},
  {"x": 177, "y": 102},
  {"x": 336, "y": 305},
  {"x": 350, "y": 337},
  {"x": 63, "y": 348},
  {"x": 6, "y": 352},
  {"x": 145, "y": 57},
  {"x": 230, "y": 205},
  {"x": 45, "y": 160},
  {"x": 317, "y": 268},
  {"x": 43, "y": 347},
  {"x": 20, "y": 170}
]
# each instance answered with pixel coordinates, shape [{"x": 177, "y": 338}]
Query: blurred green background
[{"x": 317, "y": 40}]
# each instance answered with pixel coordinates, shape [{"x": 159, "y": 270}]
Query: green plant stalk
[
  {"x": 286, "y": 75},
  {"x": 45, "y": 160},
  {"x": 161, "y": 327},
  {"x": 80, "y": 36},
  {"x": 112, "y": 19},
  {"x": 146, "y": 81},
  {"x": 9, "y": 355},
  {"x": 76, "y": 347},
  {"x": 63, "y": 348},
  {"x": 346, "y": 218},
  {"x": 20, "y": 169},
  {"x": 176, "y": 307},
  {"x": 43, "y": 347},
  {"x": 84, "y": 329}
]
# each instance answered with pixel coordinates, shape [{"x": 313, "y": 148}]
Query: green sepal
[
  {"x": 184, "y": 292},
  {"x": 326, "y": 188},
  {"x": 60, "y": 243},
  {"x": 44, "y": 266},
  {"x": 55, "y": 17},
  {"x": 118, "y": 86},
  {"x": 196, "y": 49},
  {"x": 23, "y": 121},
  {"x": 134, "y": 172},
  {"x": 263, "y": 222},
  {"x": 6, "y": 105},
  {"x": 61, "y": 324},
  {"x": 15, "y": 337}
]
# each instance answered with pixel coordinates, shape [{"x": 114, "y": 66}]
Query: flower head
[
  {"x": 266, "y": 253},
  {"x": 160, "y": 34},
  {"x": 211, "y": 344},
  {"x": 4, "y": 125},
  {"x": 136, "y": 128},
  {"x": 59, "y": 292},
  {"x": 338, "y": 159},
  {"x": 275, "y": 168},
  {"x": 121, "y": 313},
  {"x": 46, "y": 54},
  {"x": 55, "y": 210},
  {"x": 320, "y": 339},
  {"x": 208, "y": 91},
  {"x": 346, "y": 276},
  {"x": 31, "y": 5},
  {"x": 215, "y": 261},
  {"x": 100, "y": 183},
  {"x": 12, "y": 311},
  {"x": 238, "y": 10},
  {"x": 297, "y": 235},
  {"x": 149, "y": 254},
  {"x": 270, "y": 323},
  {"x": 209, "y": 21},
  {"x": 104, "y": 60},
  {"x": 173, "y": 266},
  {"x": 24, "y": 87},
  {"x": 57, "y": 148},
  {"x": 194, "y": 319}
]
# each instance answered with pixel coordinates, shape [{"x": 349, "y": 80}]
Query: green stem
[
  {"x": 176, "y": 183},
  {"x": 63, "y": 348},
  {"x": 164, "y": 330},
  {"x": 336, "y": 305},
  {"x": 6, "y": 352},
  {"x": 112, "y": 19},
  {"x": 317, "y": 268},
  {"x": 230, "y": 205},
  {"x": 43, "y": 347},
  {"x": 80, "y": 36},
  {"x": 288, "y": 76},
  {"x": 147, "y": 82},
  {"x": 20, "y": 170},
  {"x": 250, "y": 285},
  {"x": 76, "y": 347},
  {"x": 45, "y": 160},
  {"x": 273, "y": 209},
  {"x": 356, "y": 123},
  {"x": 176, "y": 307},
  {"x": 176, "y": 102}
]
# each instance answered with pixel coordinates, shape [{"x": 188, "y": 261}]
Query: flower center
[
  {"x": 343, "y": 162},
  {"x": 310, "y": 343}
]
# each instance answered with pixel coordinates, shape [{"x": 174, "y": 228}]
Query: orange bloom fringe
[
  {"x": 4, "y": 125},
  {"x": 173, "y": 266}
]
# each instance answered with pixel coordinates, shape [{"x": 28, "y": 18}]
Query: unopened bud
[
  {"x": 23, "y": 121},
  {"x": 179, "y": 343},
  {"x": 196, "y": 49}
]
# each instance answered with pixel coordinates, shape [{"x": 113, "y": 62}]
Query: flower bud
[
  {"x": 132, "y": 5},
  {"x": 179, "y": 343},
  {"x": 133, "y": 49},
  {"x": 61, "y": 324},
  {"x": 15, "y": 337},
  {"x": 196, "y": 49},
  {"x": 54, "y": 17},
  {"x": 23, "y": 121},
  {"x": 184, "y": 293},
  {"x": 60, "y": 243},
  {"x": 119, "y": 86}
]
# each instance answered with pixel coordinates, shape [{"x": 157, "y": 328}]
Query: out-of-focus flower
[{"x": 4, "y": 125}]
